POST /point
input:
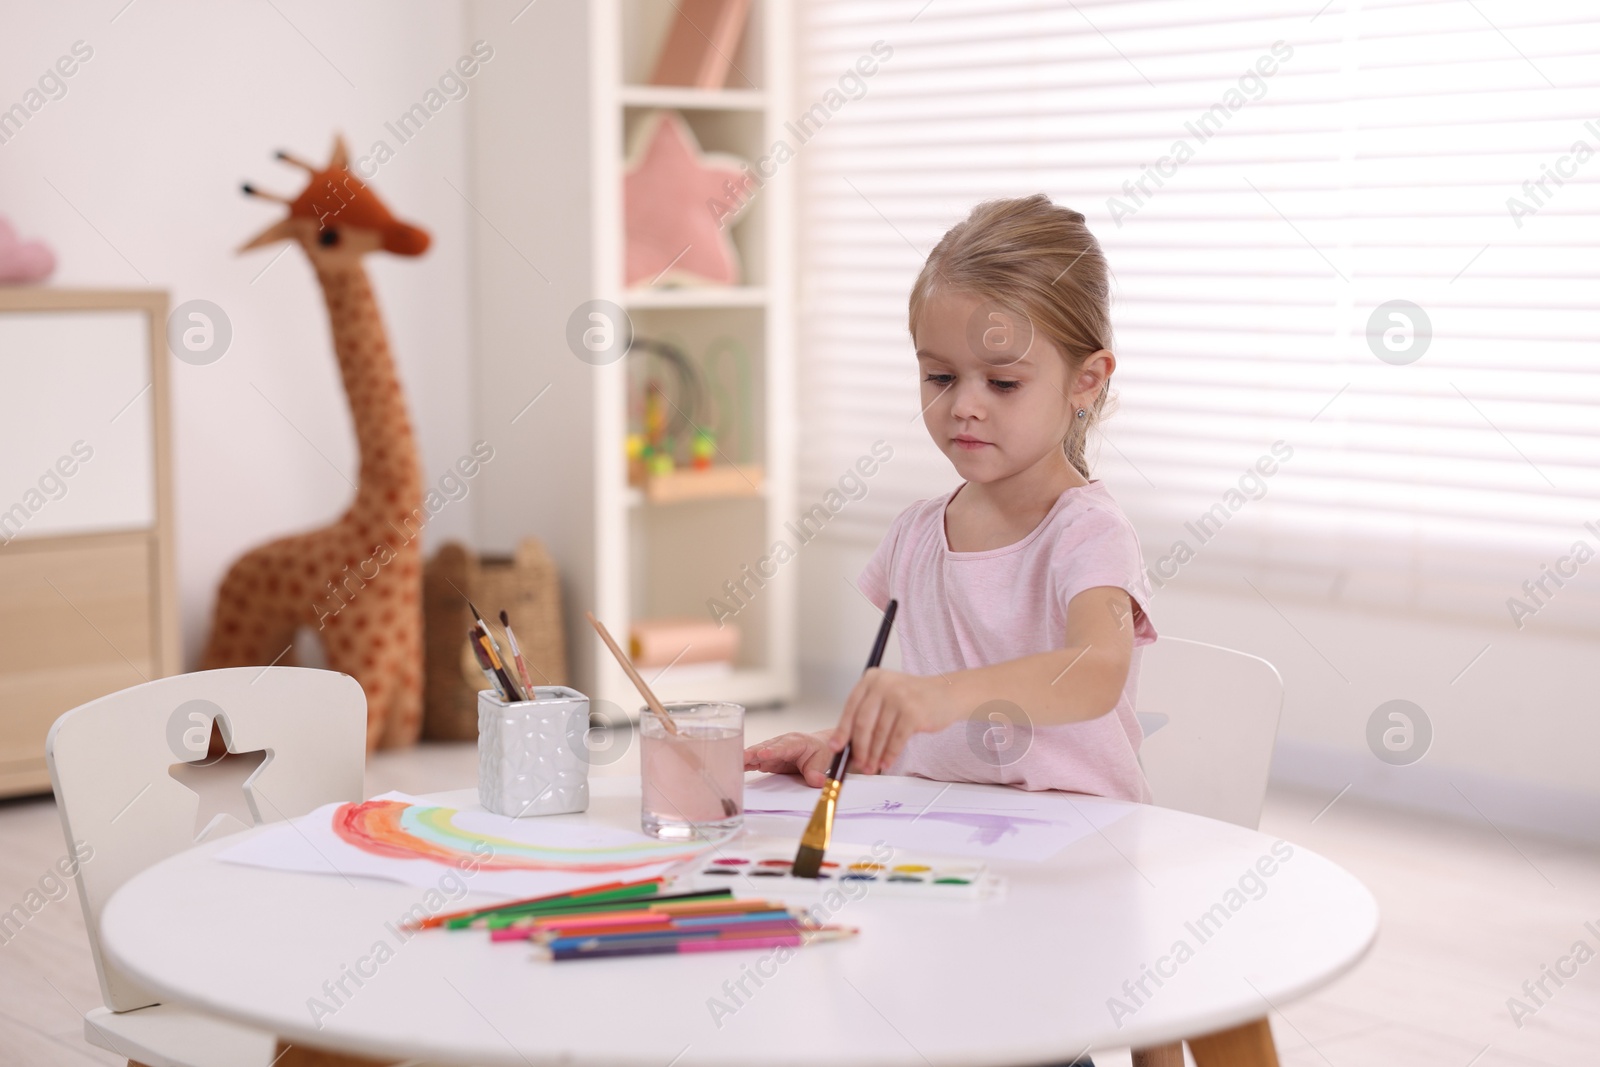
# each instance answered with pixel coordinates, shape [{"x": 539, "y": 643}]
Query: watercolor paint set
[{"x": 768, "y": 871}]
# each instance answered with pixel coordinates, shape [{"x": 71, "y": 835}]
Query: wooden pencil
[
  {"x": 602, "y": 951},
  {"x": 643, "y": 887}
]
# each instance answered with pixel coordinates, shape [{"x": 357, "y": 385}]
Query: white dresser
[{"x": 87, "y": 592}]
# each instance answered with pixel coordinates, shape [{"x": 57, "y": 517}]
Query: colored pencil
[
  {"x": 511, "y": 913},
  {"x": 663, "y": 928},
  {"x": 697, "y": 897},
  {"x": 544, "y": 928},
  {"x": 644, "y": 887},
  {"x": 514, "y": 927},
  {"x": 687, "y": 909},
  {"x": 696, "y": 945},
  {"x": 722, "y": 925},
  {"x": 655, "y": 923},
  {"x": 651, "y": 937}
]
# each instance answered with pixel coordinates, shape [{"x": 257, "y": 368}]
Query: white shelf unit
[{"x": 553, "y": 115}]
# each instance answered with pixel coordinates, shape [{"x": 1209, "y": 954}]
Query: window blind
[{"x": 1260, "y": 228}]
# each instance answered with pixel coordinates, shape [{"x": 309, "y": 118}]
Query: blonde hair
[{"x": 1037, "y": 260}]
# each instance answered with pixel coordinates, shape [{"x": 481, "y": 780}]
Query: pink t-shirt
[{"x": 960, "y": 610}]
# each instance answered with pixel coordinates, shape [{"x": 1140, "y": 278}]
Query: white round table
[{"x": 1081, "y": 952}]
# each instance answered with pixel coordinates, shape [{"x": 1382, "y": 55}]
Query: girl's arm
[{"x": 1082, "y": 681}]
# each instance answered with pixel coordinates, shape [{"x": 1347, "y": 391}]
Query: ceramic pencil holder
[{"x": 531, "y": 754}]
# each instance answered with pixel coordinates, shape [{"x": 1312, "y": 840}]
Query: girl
[{"x": 1022, "y": 591}]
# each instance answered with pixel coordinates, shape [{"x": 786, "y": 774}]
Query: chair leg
[
  {"x": 1159, "y": 1056},
  {"x": 1249, "y": 1045},
  {"x": 288, "y": 1055}
]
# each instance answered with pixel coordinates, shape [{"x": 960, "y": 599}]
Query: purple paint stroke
[{"x": 988, "y": 828}]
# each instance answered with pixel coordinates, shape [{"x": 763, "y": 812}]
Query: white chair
[
  {"x": 121, "y": 809},
  {"x": 1210, "y": 717}
]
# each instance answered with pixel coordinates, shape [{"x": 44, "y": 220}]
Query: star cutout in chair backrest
[{"x": 220, "y": 783}]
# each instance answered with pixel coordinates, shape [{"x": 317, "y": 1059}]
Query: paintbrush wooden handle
[{"x": 633, "y": 675}]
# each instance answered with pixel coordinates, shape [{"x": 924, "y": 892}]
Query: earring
[{"x": 1082, "y": 413}]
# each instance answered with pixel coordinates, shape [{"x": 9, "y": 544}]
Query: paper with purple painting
[{"x": 948, "y": 818}]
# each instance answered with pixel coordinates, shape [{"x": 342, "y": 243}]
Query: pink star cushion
[
  {"x": 23, "y": 262},
  {"x": 678, "y": 203}
]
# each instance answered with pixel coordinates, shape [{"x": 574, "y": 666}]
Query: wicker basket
[{"x": 527, "y": 587}]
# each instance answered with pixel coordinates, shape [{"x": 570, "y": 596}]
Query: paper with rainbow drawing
[{"x": 401, "y": 838}]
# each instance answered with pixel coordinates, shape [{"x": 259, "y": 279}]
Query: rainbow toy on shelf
[{"x": 672, "y": 454}]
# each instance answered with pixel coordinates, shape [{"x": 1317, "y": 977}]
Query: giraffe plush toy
[{"x": 357, "y": 582}]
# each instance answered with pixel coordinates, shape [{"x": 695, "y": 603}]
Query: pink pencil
[{"x": 601, "y": 950}]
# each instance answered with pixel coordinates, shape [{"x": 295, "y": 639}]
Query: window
[{"x": 1355, "y": 246}]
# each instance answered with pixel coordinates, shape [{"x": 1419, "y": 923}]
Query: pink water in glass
[{"x": 685, "y": 777}]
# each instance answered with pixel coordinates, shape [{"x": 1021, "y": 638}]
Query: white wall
[{"x": 133, "y": 176}]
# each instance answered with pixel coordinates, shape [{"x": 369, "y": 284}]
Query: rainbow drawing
[{"x": 397, "y": 830}]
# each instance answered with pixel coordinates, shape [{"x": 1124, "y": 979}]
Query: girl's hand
[
  {"x": 807, "y": 755},
  {"x": 884, "y": 709}
]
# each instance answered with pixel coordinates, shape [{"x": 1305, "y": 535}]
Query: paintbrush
[
  {"x": 729, "y": 808},
  {"x": 475, "y": 640},
  {"x": 633, "y": 675},
  {"x": 516, "y": 653},
  {"x": 491, "y": 665},
  {"x": 493, "y": 648},
  {"x": 819, "y": 831}
]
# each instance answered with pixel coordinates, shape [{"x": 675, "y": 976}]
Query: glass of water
[{"x": 693, "y": 780}]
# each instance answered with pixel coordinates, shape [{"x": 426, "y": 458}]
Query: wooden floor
[{"x": 1468, "y": 916}]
